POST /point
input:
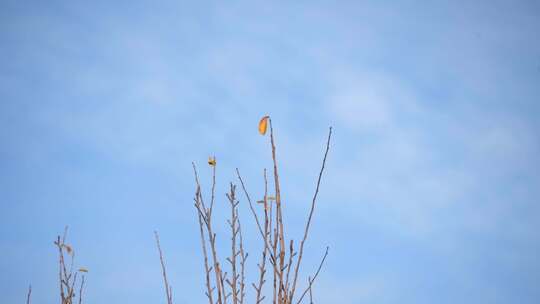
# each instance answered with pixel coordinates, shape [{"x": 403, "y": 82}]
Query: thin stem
[
  {"x": 310, "y": 290},
  {"x": 206, "y": 216},
  {"x": 306, "y": 232},
  {"x": 262, "y": 265},
  {"x": 60, "y": 263},
  {"x": 243, "y": 257},
  {"x": 279, "y": 216},
  {"x": 29, "y": 294},
  {"x": 276, "y": 275},
  {"x": 292, "y": 254},
  {"x": 268, "y": 246},
  {"x": 315, "y": 276},
  {"x": 81, "y": 290},
  {"x": 207, "y": 269},
  {"x": 234, "y": 231},
  {"x": 163, "y": 270},
  {"x": 213, "y": 189}
]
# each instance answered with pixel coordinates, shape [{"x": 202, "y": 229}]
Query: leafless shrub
[
  {"x": 285, "y": 261},
  {"x": 67, "y": 276}
]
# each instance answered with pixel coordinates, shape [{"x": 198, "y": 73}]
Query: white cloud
[{"x": 368, "y": 102}]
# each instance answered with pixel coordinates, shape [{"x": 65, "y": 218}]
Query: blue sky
[{"x": 432, "y": 187}]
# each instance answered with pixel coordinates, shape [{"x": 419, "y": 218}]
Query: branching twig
[
  {"x": 262, "y": 265},
  {"x": 314, "y": 277},
  {"x": 268, "y": 246},
  {"x": 243, "y": 258},
  {"x": 206, "y": 216},
  {"x": 285, "y": 267},
  {"x": 168, "y": 291},
  {"x": 306, "y": 232},
  {"x": 67, "y": 278},
  {"x": 207, "y": 269},
  {"x": 81, "y": 290},
  {"x": 233, "y": 283},
  {"x": 279, "y": 216},
  {"x": 292, "y": 254}
]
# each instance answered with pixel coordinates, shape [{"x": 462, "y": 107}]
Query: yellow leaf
[
  {"x": 263, "y": 124},
  {"x": 212, "y": 161},
  {"x": 82, "y": 269}
]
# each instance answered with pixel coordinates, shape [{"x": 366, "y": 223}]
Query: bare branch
[
  {"x": 310, "y": 290},
  {"x": 67, "y": 278},
  {"x": 262, "y": 265},
  {"x": 211, "y": 237},
  {"x": 314, "y": 277},
  {"x": 213, "y": 188},
  {"x": 243, "y": 258},
  {"x": 234, "y": 231},
  {"x": 267, "y": 246},
  {"x": 81, "y": 290},
  {"x": 163, "y": 270},
  {"x": 306, "y": 232},
  {"x": 207, "y": 269},
  {"x": 29, "y": 294},
  {"x": 292, "y": 254},
  {"x": 279, "y": 216},
  {"x": 251, "y": 205},
  {"x": 285, "y": 267}
]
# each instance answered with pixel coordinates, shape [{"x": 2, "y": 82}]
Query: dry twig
[
  {"x": 168, "y": 288},
  {"x": 306, "y": 231},
  {"x": 67, "y": 278},
  {"x": 272, "y": 232},
  {"x": 310, "y": 280},
  {"x": 29, "y": 294},
  {"x": 206, "y": 215}
]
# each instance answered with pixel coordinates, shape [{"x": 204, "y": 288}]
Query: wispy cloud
[{"x": 435, "y": 133}]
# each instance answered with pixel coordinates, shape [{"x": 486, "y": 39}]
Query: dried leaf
[
  {"x": 212, "y": 161},
  {"x": 82, "y": 269},
  {"x": 263, "y": 125},
  {"x": 68, "y": 249}
]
